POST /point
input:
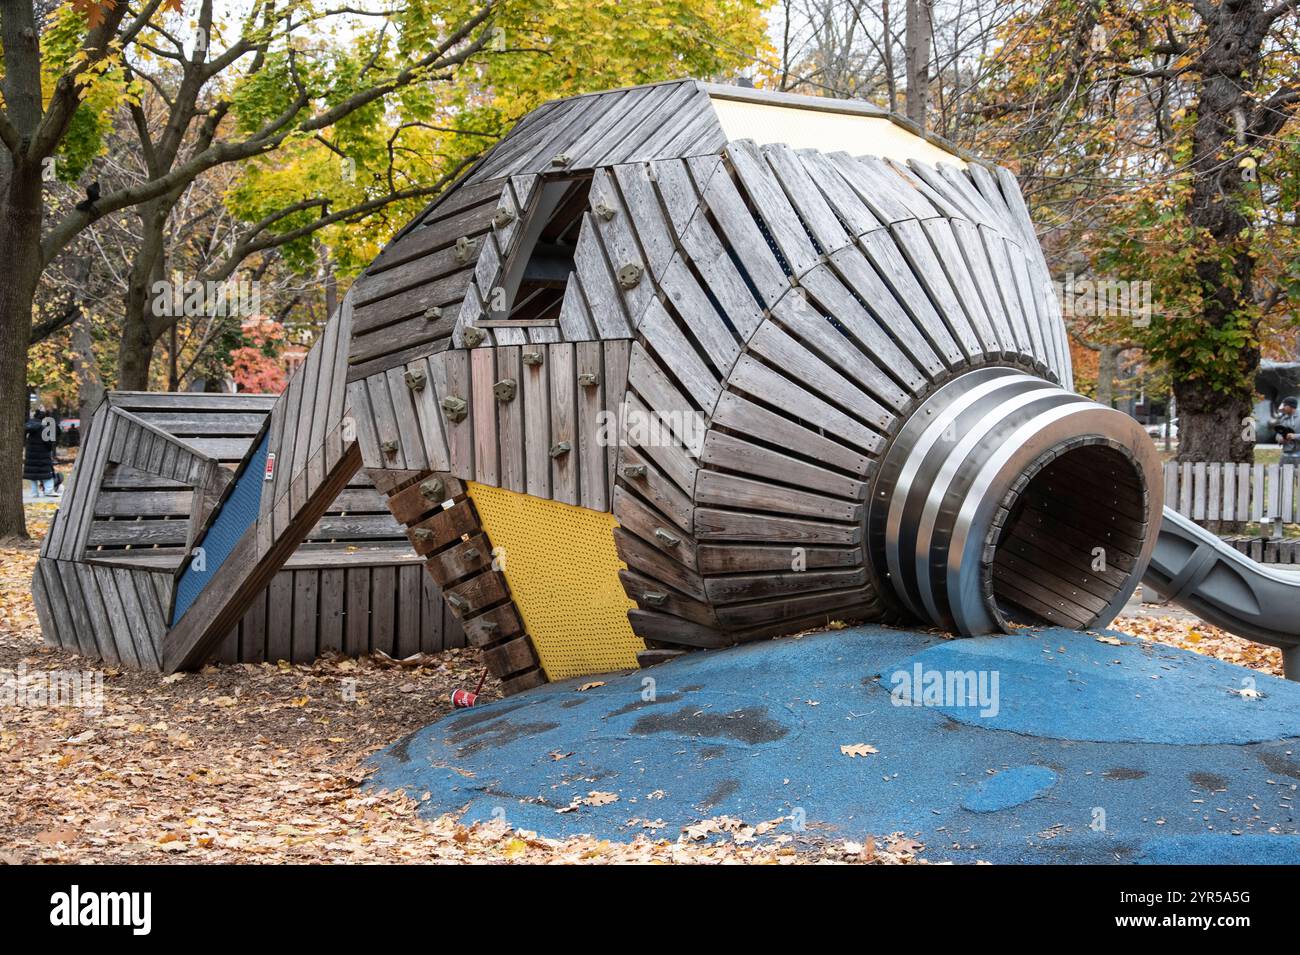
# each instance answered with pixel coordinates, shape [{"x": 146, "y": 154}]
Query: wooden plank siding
[
  {"x": 715, "y": 342},
  {"x": 134, "y": 508},
  {"x": 1223, "y": 493}
]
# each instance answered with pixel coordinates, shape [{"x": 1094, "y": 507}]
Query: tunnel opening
[{"x": 1071, "y": 530}]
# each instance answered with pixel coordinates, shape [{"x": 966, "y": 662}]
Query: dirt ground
[{"x": 263, "y": 762}]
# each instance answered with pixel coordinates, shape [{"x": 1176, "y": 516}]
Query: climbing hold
[
  {"x": 629, "y": 276},
  {"x": 433, "y": 489},
  {"x": 454, "y": 408}
]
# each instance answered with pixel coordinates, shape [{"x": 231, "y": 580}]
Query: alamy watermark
[
  {"x": 650, "y": 429},
  {"x": 1104, "y": 298},
  {"x": 45, "y": 689},
  {"x": 947, "y": 689},
  {"x": 176, "y": 298}
]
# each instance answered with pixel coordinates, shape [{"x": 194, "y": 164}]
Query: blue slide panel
[{"x": 237, "y": 514}]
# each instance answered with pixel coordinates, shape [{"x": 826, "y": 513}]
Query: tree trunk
[
  {"x": 20, "y": 250},
  {"x": 90, "y": 387},
  {"x": 1212, "y": 421},
  {"x": 920, "y": 35},
  {"x": 134, "y": 353},
  {"x": 887, "y": 45},
  {"x": 141, "y": 328},
  {"x": 1212, "y": 427},
  {"x": 1107, "y": 369}
]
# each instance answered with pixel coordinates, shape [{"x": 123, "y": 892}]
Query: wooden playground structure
[{"x": 672, "y": 367}]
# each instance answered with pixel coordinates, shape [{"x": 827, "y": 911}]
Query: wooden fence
[
  {"x": 1224, "y": 496},
  {"x": 1233, "y": 493}
]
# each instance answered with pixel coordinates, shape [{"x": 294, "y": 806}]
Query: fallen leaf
[{"x": 858, "y": 749}]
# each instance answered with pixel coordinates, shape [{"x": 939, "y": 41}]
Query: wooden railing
[{"x": 1224, "y": 496}]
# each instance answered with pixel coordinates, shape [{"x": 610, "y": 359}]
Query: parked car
[{"x": 1157, "y": 430}]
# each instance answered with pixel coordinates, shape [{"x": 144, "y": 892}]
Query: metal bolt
[{"x": 670, "y": 540}]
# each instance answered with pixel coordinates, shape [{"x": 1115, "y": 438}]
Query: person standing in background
[
  {"x": 40, "y": 434},
  {"x": 1285, "y": 427}
]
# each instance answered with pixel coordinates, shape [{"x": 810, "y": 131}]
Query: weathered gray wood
[
  {"x": 279, "y": 619},
  {"x": 741, "y": 414},
  {"x": 563, "y": 453},
  {"x": 809, "y": 202},
  {"x": 758, "y": 379},
  {"x": 484, "y": 415},
  {"x": 731, "y": 453},
  {"x": 409, "y": 593},
  {"x": 871, "y": 361},
  {"x": 745, "y": 239},
  {"x": 598, "y": 287},
  {"x": 772, "y": 205},
  {"x": 925, "y": 266},
  {"x": 695, "y": 313},
  {"x": 673, "y": 350},
  {"x": 510, "y": 415},
  {"x": 715, "y": 524},
  {"x": 593, "y": 428}
]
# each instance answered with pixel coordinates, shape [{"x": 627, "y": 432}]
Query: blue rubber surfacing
[{"x": 1044, "y": 746}]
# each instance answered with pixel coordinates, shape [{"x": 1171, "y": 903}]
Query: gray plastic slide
[{"x": 1192, "y": 567}]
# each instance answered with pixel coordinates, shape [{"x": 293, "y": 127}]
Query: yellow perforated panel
[{"x": 562, "y": 570}]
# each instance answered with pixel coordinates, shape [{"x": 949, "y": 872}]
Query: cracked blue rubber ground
[{"x": 1088, "y": 751}]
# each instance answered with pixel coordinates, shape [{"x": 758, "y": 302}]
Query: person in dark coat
[{"x": 38, "y": 453}]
